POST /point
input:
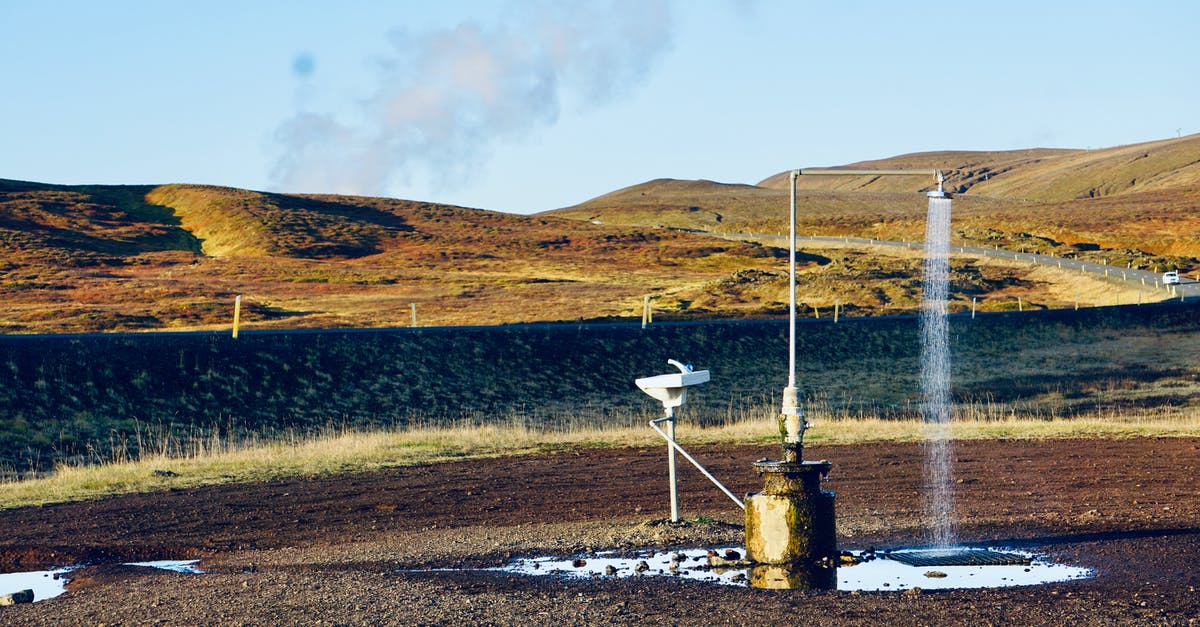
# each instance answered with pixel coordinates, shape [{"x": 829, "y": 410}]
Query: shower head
[{"x": 939, "y": 193}]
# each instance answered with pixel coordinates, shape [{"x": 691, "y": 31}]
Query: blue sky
[{"x": 527, "y": 106}]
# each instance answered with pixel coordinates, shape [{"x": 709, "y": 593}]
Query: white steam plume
[{"x": 445, "y": 97}]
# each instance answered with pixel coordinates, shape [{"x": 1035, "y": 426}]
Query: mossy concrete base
[{"x": 791, "y": 522}]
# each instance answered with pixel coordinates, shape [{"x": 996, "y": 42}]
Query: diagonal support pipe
[{"x": 675, "y": 445}]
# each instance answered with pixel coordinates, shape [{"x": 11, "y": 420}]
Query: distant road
[{"x": 1188, "y": 289}]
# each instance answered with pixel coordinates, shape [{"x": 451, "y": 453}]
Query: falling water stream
[{"x": 935, "y": 375}]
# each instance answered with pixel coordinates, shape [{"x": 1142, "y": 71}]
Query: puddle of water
[
  {"x": 178, "y": 566},
  {"x": 45, "y": 584},
  {"x": 873, "y": 575}
]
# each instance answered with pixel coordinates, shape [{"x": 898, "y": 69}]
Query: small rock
[
  {"x": 935, "y": 574},
  {"x": 731, "y": 554},
  {"x": 641, "y": 567},
  {"x": 165, "y": 473},
  {"x": 579, "y": 563},
  {"x": 912, "y": 592},
  {"x": 610, "y": 570},
  {"x": 24, "y": 596}
]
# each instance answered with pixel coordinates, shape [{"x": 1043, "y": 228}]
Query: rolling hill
[
  {"x": 113, "y": 257},
  {"x": 96, "y": 258},
  {"x": 1140, "y": 202}
]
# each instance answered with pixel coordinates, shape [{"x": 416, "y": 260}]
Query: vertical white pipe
[
  {"x": 414, "y": 314},
  {"x": 793, "y": 423},
  {"x": 792, "y": 287},
  {"x": 671, "y": 470}
]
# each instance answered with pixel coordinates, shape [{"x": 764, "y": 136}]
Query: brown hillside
[
  {"x": 114, "y": 258},
  {"x": 85, "y": 258},
  {"x": 1037, "y": 174},
  {"x": 1140, "y": 202},
  {"x": 962, "y": 169},
  {"x": 1167, "y": 165}
]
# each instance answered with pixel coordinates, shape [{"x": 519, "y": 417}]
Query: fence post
[
  {"x": 237, "y": 314},
  {"x": 837, "y": 307},
  {"x": 414, "y": 314},
  {"x": 973, "y": 299}
]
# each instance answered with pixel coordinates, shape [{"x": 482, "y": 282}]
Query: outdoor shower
[{"x": 790, "y": 526}]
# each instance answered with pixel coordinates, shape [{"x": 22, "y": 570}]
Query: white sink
[{"x": 671, "y": 389}]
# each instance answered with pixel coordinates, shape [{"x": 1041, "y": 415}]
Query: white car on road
[{"x": 1170, "y": 278}]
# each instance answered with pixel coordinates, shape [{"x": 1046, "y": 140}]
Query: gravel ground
[{"x": 376, "y": 548}]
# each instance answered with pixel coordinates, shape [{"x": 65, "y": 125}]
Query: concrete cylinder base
[{"x": 791, "y": 522}]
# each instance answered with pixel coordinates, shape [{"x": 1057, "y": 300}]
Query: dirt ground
[{"x": 368, "y": 548}]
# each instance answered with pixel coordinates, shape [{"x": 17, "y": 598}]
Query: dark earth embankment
[{"x": 78, "y": 397}]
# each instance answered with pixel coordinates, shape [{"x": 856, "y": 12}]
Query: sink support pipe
[{"x": 669, "y": 436}]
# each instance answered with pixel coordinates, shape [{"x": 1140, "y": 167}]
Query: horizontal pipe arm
[{"x": 810, "y": 171}]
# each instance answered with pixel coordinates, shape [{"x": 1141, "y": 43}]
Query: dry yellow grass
[{"x": 222, "y": 463}]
